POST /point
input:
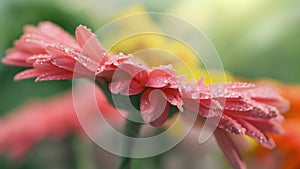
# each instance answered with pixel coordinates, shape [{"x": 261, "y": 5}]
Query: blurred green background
[{"x": 254, "y": 39}]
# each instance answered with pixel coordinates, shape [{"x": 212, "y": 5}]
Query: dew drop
[
  {"x": 147, "y": 117},
  {"x": 188, "y": 89},
  {"x": 195, "y": 95}
]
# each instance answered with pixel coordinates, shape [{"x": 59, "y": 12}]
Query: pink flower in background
[
  {"x": 37, "y": 120},
  {"x": 242, "y": 108}
]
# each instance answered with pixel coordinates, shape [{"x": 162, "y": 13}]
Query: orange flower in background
[
  {"x": 289, "y": 143},
  {"x": 290, "y": 92}
]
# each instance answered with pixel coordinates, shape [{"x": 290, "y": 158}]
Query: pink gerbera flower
[{"x": 242, "y": 108}]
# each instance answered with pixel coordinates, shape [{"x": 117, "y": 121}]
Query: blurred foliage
[{"x": 253, "y": 38}]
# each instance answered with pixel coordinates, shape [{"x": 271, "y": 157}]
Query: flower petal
[
  {"x": 229, "y": 149},
  {"x": 269, "y": 126},
  {"x": 56, "y": 33},
  {"x": 270, "y": 96},
  {"x": 230, "y": 125},
  {"x": 162, "y": 118},
  {"x": 16, "y": 57},
  {"x": 43, "y": 75},
  {"x": 135, "y": 70},
  {"x": 91, "y": 47},
  {"x": 162, "y": 77},
  {"x": 31, "y": 44},
  {"x": 126, "y": 87},
  {"x": 71, "y": 65},
  {"x": 239, "y": 86},
  {"x": 33, "y": 58},
  {"x": 258, "y": 135},
  {"x": 173, "y": 97},
  {"x": 57, "y": 76},
  {"x": 154, "y": 107},
  {"x": 29, "y": 73}
]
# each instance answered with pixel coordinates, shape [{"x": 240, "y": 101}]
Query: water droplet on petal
[
  {"x": 195, "y": 95},
  {"x": 188, "y": 89},
  {"x": 147, "y": 117}
]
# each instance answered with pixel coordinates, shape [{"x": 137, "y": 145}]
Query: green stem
[
  {"x": 70, "y": 151},
  {"x": 131, "y": 128}
]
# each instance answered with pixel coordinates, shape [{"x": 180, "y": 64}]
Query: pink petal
[
  {"x": 191, "y": 104},
  {"x": 209, "y": 92},
  {"x": 262, "y": 111},
  {"x": 57, "y": 33},
  {"x": 154, "y": 108},
  {"x": 267, "y": 126},
  {"x": 33, "y": 43},
  {"x": 16, "y": 54},
  {"x": 135, "y": 70},
  {"x": 44, "y": 64},
  {"x": 30, "y": 29},
  {"x": 90, "y": 45},
  {"x": 229, "y": 149},
  {"x": 105, "y": 75},
  {"x": 51, "y": 33},
  {"x": 29, "y": 73},
  {"x": 270, "y": 96},
  {"x": 239, "y": 86},
  {"x": 230, "y": 125},
  {"x": 126, "y": 87},
  {"x": 174, "y": 98},
  {"x": 68, "y": 52},
  {"x": 110, "y": 64},
  {"x": 202, "y": 110},
  {"x": 33, "y": 58},
  {"x": 59, "y": 50},
  {"x": 71, "y": 65},
  {"x": 237, "y": 105},
  {"x": 162, "y": 77},
  {"x": 41, "y": 75},
  {"x": 13, "y": 62},
  {"x": 258, "y": 135},
  {"x": 65, "y": 61},
  {"x": 162, "y": 118},
  {"x": 63, "y": 51},
  {"x": 58, "y": 76},
  {"x": 242, "y": 107}
]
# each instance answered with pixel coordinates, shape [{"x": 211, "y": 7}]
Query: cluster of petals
[
  {"x": 241, "y": 107},
  {"x": 52, "y": 54}
]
